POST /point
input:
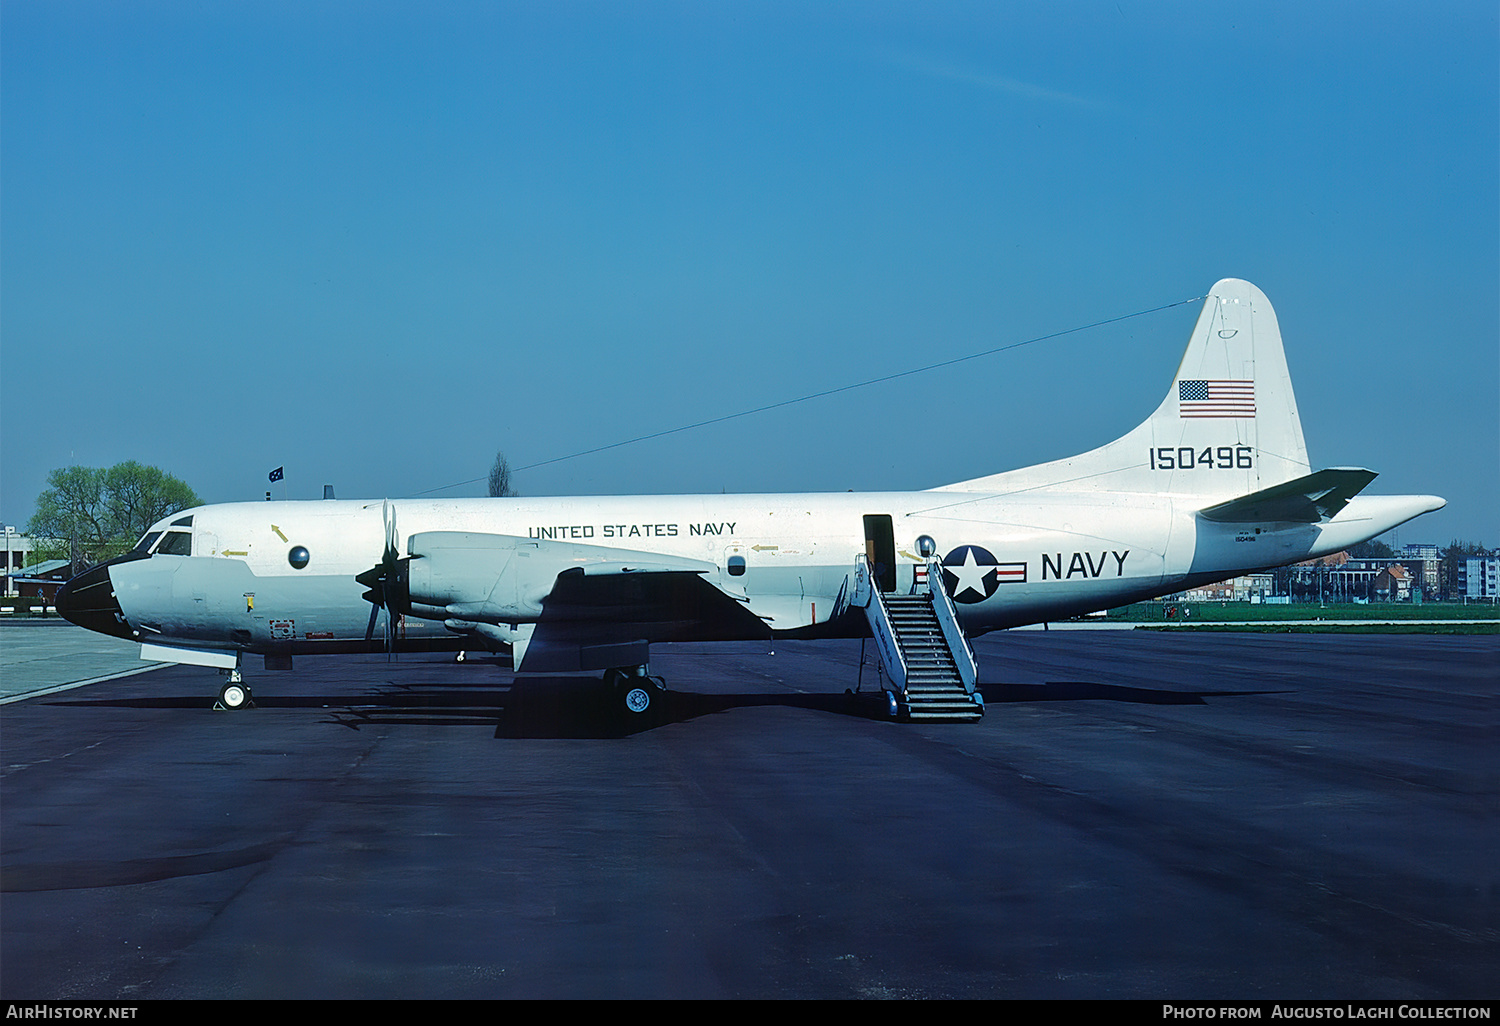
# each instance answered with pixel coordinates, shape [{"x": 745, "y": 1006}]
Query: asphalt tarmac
[{"x": 1139, "y": 815}]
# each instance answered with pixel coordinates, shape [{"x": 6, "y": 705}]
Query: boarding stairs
[{"x": 927, "y": 660}]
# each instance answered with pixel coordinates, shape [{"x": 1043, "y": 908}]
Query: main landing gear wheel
[
  {"x": 636, "y": 694},
  {"x": 638, "y": 698},
  {"x": 234, "y": 695}
]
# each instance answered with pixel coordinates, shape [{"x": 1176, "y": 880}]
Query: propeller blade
[
  {"x": 374, "y": 612},
  {"x": 392, "y": 556},
  {"x": 380, "y": 580}
]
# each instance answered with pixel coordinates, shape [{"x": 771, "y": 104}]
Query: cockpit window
[
  {"x": 186, "y": 521},
  {"x": 176, "y": 543},
  {"x": 144, "y": 545}
]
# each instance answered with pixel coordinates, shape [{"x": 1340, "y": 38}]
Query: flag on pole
[{"x": 277, "y": 474}]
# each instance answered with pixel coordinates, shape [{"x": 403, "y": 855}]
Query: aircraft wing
[
  {"x": 596, "y": 620},
  {"x": 566, "y": 605},
  {"x": 1305, "y": 500}
]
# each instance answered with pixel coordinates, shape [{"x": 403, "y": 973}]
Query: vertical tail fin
[{"x": 1227, "y": 427}]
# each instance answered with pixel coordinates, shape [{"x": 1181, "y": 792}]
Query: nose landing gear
[{"x": 235, "y": 694}]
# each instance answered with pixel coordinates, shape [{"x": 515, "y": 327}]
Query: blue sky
[{"x": 374, "y": 243}]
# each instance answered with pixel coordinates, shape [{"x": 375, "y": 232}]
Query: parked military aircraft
[{"x": 1213, "y": 484}]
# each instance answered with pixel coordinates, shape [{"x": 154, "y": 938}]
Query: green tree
[
  {"x": 500, "y": 486},
  {"x": 1372, "y": 549},
  {"x": 88, "y": 514},
  {"x": 140, "y": 496},
  {"x": 71, "y": 514}
]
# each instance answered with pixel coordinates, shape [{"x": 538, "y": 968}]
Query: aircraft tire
[
  {"x": 234, "y": 696},
  {"x": 638, "y": 697}
]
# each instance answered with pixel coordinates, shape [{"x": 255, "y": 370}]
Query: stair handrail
[
  {"x": 863, "y": 584},
  {"x": 953, "y": 632},
  {"x": 878, "y": 614}
]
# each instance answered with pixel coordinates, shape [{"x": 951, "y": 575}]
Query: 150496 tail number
[{"x": 1185, "y": 457}]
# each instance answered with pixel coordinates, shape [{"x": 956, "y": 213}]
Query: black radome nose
[{"x": 89, "y": 599}]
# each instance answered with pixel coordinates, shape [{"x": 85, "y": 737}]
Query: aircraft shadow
[
  {"x": 1091, "y": 691},
  {"x": 456, "y": 707},
  {"x": 580, "y": 708},
  {"x": 542, "y": 707}
]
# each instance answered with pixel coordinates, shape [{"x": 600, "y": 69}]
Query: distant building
[
  {"x": 1337, "y": 578},
  {"x": 1255, "y": 587},
  {"x": 1248, "y": 588},
  {"x": 1391, "y": 584},
  {"x": 1426, "y": 565},
  {"x": 41, "y": 580},
  {"x": 1479, "y": 577},
  {"x": 1424, "y": 575},
  {"x": 17, "y": 554},
  {"x": 1334, "y": 578}
]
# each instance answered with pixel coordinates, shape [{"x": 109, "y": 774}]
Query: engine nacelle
[{"x": 474, "y": 577}]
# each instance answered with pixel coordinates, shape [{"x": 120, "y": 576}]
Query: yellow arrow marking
[{"x": 278, "y": 532}]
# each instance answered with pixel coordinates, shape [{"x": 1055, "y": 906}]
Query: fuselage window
[
  {"x": 736, "y": 566},
  {"x": 298, "y": 557},
  {"x": 176, "y": 543}
]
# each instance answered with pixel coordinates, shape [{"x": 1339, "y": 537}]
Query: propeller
[{"x": 384, "y": 581}]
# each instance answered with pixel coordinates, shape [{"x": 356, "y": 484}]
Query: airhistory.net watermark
[{"x": 44, "y": 1010}]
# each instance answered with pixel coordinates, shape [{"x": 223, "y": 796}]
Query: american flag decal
[
  {"x": 1215, "y": 398},
  {"x": 1010, "y": 573}
]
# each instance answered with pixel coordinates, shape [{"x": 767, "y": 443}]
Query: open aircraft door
[{"x": 880, "y": 550}]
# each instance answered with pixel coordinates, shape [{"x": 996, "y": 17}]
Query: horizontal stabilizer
[{"x": 1305, "y": 500}]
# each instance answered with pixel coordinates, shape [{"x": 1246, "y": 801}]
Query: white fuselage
[{"x": 1051, "y": 555}]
